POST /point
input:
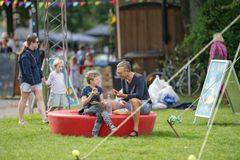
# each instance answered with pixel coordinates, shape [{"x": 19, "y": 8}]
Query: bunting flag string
[{"x": 69, "y": 3}]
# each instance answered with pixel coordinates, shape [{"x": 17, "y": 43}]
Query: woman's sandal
[{"x": 133, "y": 133}]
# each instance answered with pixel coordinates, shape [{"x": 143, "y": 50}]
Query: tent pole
[{"x": 118, "y": 31}]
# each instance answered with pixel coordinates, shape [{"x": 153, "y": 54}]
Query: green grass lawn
[{"x": 35, "y": 141}]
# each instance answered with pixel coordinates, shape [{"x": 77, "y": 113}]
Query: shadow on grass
[
  {"x": 226, "y": 124},
  {"x": 171, "y": 134},
  {"x": 218, "y": 124}
]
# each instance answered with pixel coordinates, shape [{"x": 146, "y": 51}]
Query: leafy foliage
[
  {"x": 82, "y": 18},
  {"x": 213, "y": 17}
]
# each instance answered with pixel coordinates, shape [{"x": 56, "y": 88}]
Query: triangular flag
[
  {"x": 75, "y": 4},
  {"x": 114, "y": 19},
  {"x": 82, "y": 3},
  {"x": 104, "y": 1},
  {"x": 54, "y": 4},
  {"x": 60, "y": 4},
  {"x": 27, "y": 4},
  {"x": 14, "y": 4},
  {"x": 47, "y": 5},
  {"x": 8, "y": 3},
  {"x": 113, "y": 2},
  {"x": 97, "y": 3},
  {"x": 20, "y": 4},
  {"x": 68, "y": 4},
  {"x": 40, "y": 4}
]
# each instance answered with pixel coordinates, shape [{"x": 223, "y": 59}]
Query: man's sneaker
[
  {"x": 22, "y": 122},
  {"x": 45, "y": 121}
]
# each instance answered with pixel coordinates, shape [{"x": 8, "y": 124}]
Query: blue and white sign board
[
  {"x": 71, "y": 94},
  {"x": 211, "y": 88}
]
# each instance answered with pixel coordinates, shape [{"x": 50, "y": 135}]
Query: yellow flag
[
  {"x": 97, "y": 3},
  {"x": 114, "y": 19},
  {"x": 47, "y": 4},
  {"x": 40, "y": 4}
]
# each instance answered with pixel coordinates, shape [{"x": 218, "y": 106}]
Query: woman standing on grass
[{"x": 30, "y": 78}]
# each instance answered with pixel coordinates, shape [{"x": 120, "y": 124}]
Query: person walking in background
[
  {"x": 4, "y": 48},
  {"x": 218, "y": 49},
  {"x": 7, "y": 69},
  {"x": 30, "y": 78},
  {"x": 89, "y": 62},
  {"x": 57, "y": 98},
  {"x": 94, "y": 104},
  {"x": 74, "y": 74},
  {"x": 81, "y": 54}
]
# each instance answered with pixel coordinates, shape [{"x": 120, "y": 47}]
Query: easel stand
[{"x": 218, "y": 73}]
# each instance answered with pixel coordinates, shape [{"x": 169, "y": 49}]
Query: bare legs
[
  {"x": 40, "y": 104},
  {"x": 22, "y": 105},
  {"x": 135, "y": 103}
]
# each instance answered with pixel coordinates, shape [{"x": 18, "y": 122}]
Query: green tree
[
  {"x": 213, "y": 17},
  {"x": 81, "y": 18}
]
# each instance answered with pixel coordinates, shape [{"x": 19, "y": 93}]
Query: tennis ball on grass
[
  {"x": 75, "y": 153},
  {"x": 191, "y": 157}
]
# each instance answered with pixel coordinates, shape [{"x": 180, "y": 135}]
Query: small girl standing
[{"x": 57, "y": 98}]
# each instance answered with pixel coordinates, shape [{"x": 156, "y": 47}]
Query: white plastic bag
[
  {"x": 155, "y": 87},
  {"x": 160, "y": 91},
  {"x": 159, "y": 105},
  {"x": 168, "y": 96}
]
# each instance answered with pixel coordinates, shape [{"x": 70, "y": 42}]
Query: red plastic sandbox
[{"x": 68, "y": 122}]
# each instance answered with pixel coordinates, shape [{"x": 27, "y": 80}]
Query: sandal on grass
[{"x": 133, "y": 133}]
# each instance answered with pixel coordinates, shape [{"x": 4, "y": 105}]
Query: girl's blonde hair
[
  {"x": 218, "y": 37},
  {"x": 56, "y": 63}
]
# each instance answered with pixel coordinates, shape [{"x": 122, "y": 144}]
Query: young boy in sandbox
[{"x": 94, "y": 103}]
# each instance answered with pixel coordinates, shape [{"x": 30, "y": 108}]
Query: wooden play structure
[{"x": 149, "y": 32}]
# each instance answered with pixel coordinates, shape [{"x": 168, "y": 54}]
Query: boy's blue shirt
[{"x": 87, "y": 91}]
